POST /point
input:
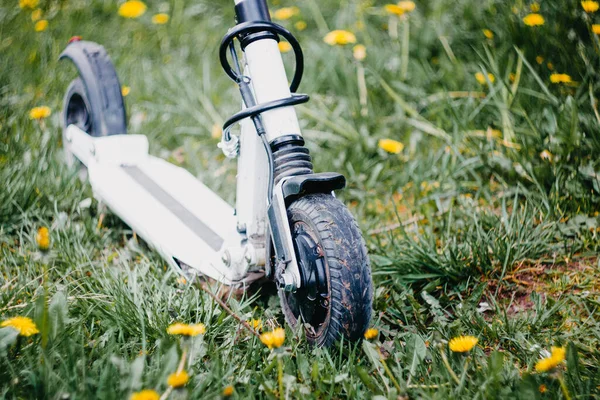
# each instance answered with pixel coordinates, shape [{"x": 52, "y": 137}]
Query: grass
[{"x": 486, "y": 224}]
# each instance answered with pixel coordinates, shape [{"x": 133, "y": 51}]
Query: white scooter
[{"x": 287, "y": 225}]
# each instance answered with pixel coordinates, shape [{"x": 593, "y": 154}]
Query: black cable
[
  {"x": 248, "y": 99},
  {"x": 245, "y": 28},
  {"x": 271, "y": 169},
  {"x": 259, "y": 109}
]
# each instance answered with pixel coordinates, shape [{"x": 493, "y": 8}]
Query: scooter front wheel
[{"x": 335, "y": 298}]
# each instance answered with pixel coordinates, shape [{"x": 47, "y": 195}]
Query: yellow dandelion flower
[
  {"x": 284, "y": 47},
  {"x": 28, "y": 3},
  {"x": 286, "y": 13},
  {"x": 186, "y": 330},
  {"x": 178, "y": 379},
  {"x": 300, "y": 25},
  {"x": 267, "y": 339},
  {"x": 534, "y": 7},
  {"x": 495, "y": 133},
  {"x": 590, "y": 6},
  {"x": 462, "y": 344},
  {"x": 24, "y": 325},
  {"x": 539, "y": 59},
  {"x": 545, "y": 364},
  {"x": 488, "y": 33},
  {"x": 557, "y": 356},
  {"x": 36, "y": 15},
  {"x": 43, "y": 238},
  {"x": 394, "y": 9},
  {"x": 216, "y": 131},
  {"x": 596, "y": 29},
  {"x": 273, "y": 339},
  {"x": 339, "y": 37},
  {"x": 543, "y": 388},
  {"x": 227, "y": 391},
  {"x": 390, "y": 145},
  {"x": 125, "y": 90},
  {"x": 40, "y": 112},
  {"x": 147, "y": 394},
  {"x": 359, "y": 52},
  {"x": 371, "y": 333},
  {"x": 407, "y": 6},
  {"x": 160, "y": 19},
  {"x": 550, "y": 66},
  {"x": 41, "y": 25},
  {"x": 256, "y": 324},
  {"x": 132, "y": 9},
  {"x": 534, "y": 19},
  {"x": 481, "y": 78},
  {"x": 560, "y": 78}
]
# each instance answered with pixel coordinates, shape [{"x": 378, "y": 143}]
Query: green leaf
[
  {"x": 8, "y": 337},
  {"x": 381, "y": 261},
  {"x": 58, "y": 313},
  {"x": 573, "y": 367},
  {"x": 496, "y": 362},
  {"x": 303, "y": 366},
  {"x": 415, "y": 345},
  {"x": 136, "y": 372},
  {"x": 366, "y": 379}
]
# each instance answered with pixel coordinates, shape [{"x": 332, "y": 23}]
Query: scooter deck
[{"x": 167, "y": 206}]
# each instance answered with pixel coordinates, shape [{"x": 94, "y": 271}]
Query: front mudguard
[
  {"x": 295, "y": 187},
  {"x": 288, "y": 190}
]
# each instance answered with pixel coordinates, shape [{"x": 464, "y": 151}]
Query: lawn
[{"x": 466, "y": 130}]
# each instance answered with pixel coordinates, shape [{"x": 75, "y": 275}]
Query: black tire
[
  {"x": 343, "y": 307},
  {"x": 76, "y": 107},
  {"x": 95, "y": 93},
  {"x": 78, "y": 111}
]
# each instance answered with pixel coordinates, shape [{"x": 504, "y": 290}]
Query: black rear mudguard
[{"x": 102, "y": 86}]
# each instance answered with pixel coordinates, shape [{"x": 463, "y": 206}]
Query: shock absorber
[
  {"x": 287, "y": 154},
  {"x": 290, "y": 157}
]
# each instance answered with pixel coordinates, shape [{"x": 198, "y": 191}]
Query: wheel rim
[
  {"x": 77, "y": 113},
  {"x": 310, "y": 303}
]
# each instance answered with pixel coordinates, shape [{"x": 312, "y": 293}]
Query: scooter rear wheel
[
  {"x": 335, "y": 299},
  {"x": 93, "y": 101},
  {"x": 76, "y": 111}
]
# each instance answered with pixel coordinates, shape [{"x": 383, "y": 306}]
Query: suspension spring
[{"x": 290, "y": 157}]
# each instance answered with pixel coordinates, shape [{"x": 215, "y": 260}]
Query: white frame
[
  {"x": 265, "y": 68},
  {"x": 237, "y": 259}
]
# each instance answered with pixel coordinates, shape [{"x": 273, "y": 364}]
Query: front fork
[{"x": 269, "y": 180}]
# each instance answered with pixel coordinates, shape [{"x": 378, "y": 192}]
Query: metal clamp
[{"x": 230, "y": 147}]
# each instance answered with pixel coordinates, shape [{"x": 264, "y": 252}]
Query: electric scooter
[{"x": 287, "y": 225}]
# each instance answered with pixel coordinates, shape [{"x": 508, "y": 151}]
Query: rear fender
[{"x": 102, "y": 86}]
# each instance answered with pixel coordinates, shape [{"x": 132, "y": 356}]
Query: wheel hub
[
  {"x": 77, "y": 113},
  {"x": 312, "y": 298}
]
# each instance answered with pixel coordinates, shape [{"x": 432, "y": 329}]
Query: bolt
[{"x": 287, "y": 282}]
